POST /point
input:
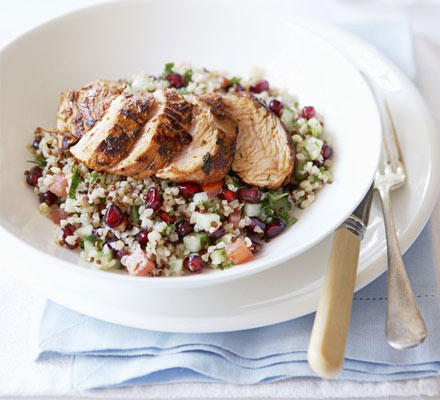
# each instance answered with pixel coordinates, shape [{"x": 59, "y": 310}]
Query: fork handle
[{"x": 405, "y": 326}]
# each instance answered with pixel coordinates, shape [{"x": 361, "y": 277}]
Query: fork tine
[
  {"x": 393, "y": 135},
  {"x": 386, "y": 155}
]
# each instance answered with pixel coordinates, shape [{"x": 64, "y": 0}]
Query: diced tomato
[
  {"x": 57, "y": 214},
  {"x": 238, "y": 253},
  {"x": 213, "y": 189},
  {"x": 59, "y": 186},
  {"x": 138, "y": 264},
  {"x": 225, "y": 83},
  {"x": 234, "y": 218}
]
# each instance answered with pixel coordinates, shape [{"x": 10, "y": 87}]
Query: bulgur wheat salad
[{"x": 153, "y": 198}]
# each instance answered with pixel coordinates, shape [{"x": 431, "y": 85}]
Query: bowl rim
[{"x": 196, "y": 279}]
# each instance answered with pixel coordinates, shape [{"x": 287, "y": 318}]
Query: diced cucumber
[
  {"x": 288, "y": 117},
  {"x": 298, "y": 170},
  {"x": 218, "y": 256},
  {"x": 206, "y": 221},
  {"x": 105, "y": 256},
  {"x": 69, "y": 205},
  {"x": 84, "y": 231},
  {"x": 252, "y": 210},
  {"x": 176, "y": 266},
  {"x": 195, "y": 242},
  {"x": 89, "y": 246},
  {"x": 313, "y": 147},
  {"x": 226, "y": 239},
  {"x": 314, "y": 126}
]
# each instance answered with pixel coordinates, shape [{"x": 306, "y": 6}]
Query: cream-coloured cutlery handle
[
  {"x": 405, "y": 326},
  {"x": 329, "y": 333}
]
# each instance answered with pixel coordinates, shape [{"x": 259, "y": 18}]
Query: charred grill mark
[
  {"x": 135, "y": 133},
  {"x": 221, "y": 144},
  {"x": 207, "y": 164},
  {"x": 129, "y": 114},
  {"x": 163, "y": 149},
  {"x": 113, "y": 145}
]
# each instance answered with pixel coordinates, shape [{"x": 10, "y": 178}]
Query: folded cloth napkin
[{"x": 109, "y": 355}]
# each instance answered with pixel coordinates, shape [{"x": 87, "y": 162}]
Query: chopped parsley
[
  {"x": 94, "y": 176},
  {"x": 74, "y": 184},
  {"x": 96, "y": 241},
  {"x": 188, "y": 75},
  {"x": 134, "y": 213},
  {"x": 40, "y": 161},
  {"x": 168, "y": 68},
  {"x": 234, "y": 79},
  {"x": 278, "y": 205}
]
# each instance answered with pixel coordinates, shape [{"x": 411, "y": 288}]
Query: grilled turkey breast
[
  {"x": 163, "y": 136},
  {"x": 209, "y": 156},
  {"x": 111, "y": 139},
  {"x": 80, "y": 110},
  {"x": 265, "y": 152}
]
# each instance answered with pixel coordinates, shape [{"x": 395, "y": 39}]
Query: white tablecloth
[{"x": 20, "y": 307}]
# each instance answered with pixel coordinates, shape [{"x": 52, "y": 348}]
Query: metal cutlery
[{"x": 405, "y": 326}]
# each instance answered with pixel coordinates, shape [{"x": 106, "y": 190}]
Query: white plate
[
  {"x": 90, "y": 50},
  {"x": 292, "y": 289}
]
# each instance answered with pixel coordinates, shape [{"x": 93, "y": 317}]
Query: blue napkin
[{"x": 109, "y": 355}]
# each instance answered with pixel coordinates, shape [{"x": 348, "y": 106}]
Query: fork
[{"x": 405, "y": 326}]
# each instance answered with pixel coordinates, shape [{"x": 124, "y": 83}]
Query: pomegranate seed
[
  {"x": 189, "y": 189},
  {"x": 251, "y": 195},
  {"x": 227, "y": 194},
  {"x": 165, "y": 217},
  {"x": 49, "y": 198},
  {"x": 114, "y": 216},
  {"x": 254, "y": 223},
  {"x": 255, "y": 247},
  {"x": 276, "y": 227},
  {"x": 110, "y": 242},
  {"x": 36, "y": 143},
  {"x": 120, "y": 253},
  {"x": 193, "y": 263},
  {"x": 176, "y": 80},
  {"x": 238, "y": 87},
  {"x": 326, "y": 151},
  {"x": 184, "y": 228},
  {"x": 276, "y": 107},
  {"x": 72, "y": 246},
  {"x": 217, "y": 234},
  {"x": 290, "y": 187},
  {"x": 308, "y": 112},
  {"x": 116, "y": 253},
  {"x": 68, "y": 230},
  {"x": 153, "y": 199},
  {"x": 33, "y": 175},
  {"x": 318, "y": 163},
  {"x": 259, "y": 87},
  {"x": 142, "y": 238}
]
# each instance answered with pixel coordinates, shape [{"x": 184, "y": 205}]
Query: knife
[{"x": 329, "y": 333}]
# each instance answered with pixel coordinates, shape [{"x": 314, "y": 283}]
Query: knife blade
[{"x": 329, "y": 333}]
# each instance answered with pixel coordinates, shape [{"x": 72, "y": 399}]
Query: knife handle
[{"x": 329, "y": 333}]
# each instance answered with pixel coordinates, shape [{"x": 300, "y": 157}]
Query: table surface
[{"x": 21, "y": 313}]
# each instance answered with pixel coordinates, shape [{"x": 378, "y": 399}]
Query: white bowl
[{"x": 118, "y": 39}]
